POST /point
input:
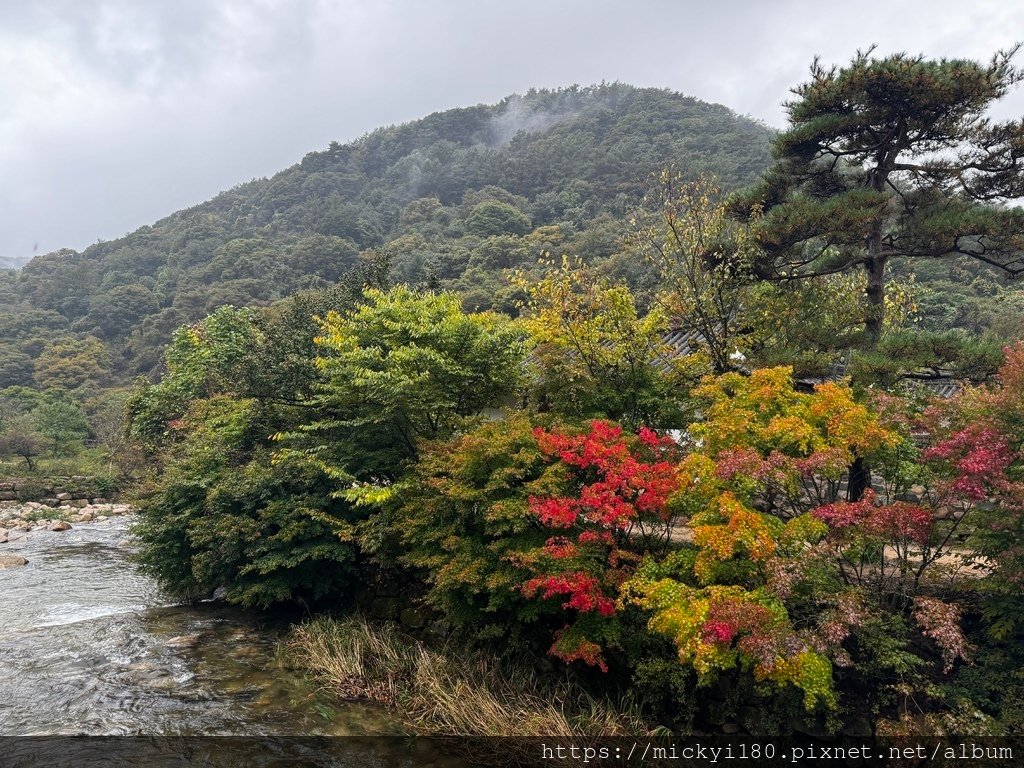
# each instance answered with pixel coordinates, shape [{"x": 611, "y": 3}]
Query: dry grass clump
[{"x": 445, "y": 693}]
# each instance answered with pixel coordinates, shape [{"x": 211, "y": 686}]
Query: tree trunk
[
  {"x": 860, "y": 472},
  {"x": 874, "y": 321},
  {"x": 860, "y": 480},
  {"x": 875, "y": 315},
  {"x": 875, "y": 263}
]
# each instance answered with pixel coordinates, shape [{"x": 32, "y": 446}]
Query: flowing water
[{"x": 89, "y": 646}]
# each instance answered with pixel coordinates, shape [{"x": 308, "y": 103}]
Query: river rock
[
  {"x": 3, "y": 538},
  {"x": 182, "y": 641},
  {"x": 159, "y": 683},
  {"x": 12, "y": 561},
  {"x": 151, "y": 676},
  {"x": 60, "y": 525}
]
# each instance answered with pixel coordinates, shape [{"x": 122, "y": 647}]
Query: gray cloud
[{"x": 114, "y": 113}]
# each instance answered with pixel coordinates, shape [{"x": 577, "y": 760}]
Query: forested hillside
[
  {"x": 448, "y": 201},
  {"x": 558, "y": 376}
]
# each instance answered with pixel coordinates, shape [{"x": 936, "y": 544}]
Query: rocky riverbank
[{"x": 17, "y": 521}]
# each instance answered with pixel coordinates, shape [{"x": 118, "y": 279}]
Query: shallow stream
[{"x": 90, "y": 647}]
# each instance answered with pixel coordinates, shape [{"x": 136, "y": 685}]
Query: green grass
[{"x": 88, "y": 462}]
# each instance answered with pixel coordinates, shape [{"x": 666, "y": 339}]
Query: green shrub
[
  {"x": 224, "y": 515},
  {"x": 461, "y": 519}
]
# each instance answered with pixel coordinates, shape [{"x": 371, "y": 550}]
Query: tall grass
[{"x": 443, "y": 692}]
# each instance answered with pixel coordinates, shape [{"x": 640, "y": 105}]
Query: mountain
[
  {"x": 12, "y": 262},
  {"x": 451, "y": 200}
]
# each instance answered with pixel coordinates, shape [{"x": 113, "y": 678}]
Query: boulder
[
  {"x": 60, "y": 525},
  {"x": 413, "y": 617},
  {"x": 12, "y": 561},
  {"x": 385, "y": 608},
  {"x": 442, "y": 629}
]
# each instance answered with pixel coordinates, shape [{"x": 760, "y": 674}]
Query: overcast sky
[{"x": 114, "y": 113}]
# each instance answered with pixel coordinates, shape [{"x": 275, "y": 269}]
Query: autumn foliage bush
[
  {"x": 835, "y": 546},
  {"x": 616, "y": 509},
  {"x": 744, "y": 544},
  {"x": 977, "y": 454}
]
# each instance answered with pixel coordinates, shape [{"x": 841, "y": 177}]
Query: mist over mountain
[
  {"x": 13, "y": 262},
  {"x": 452, "y": 199}
]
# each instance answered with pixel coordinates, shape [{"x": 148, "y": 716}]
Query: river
[{"x": 90, "y": 647}]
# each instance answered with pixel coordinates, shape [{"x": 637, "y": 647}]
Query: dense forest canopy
[
  {"x": 453, "y": 201},
  {"x": 454, "y": 198}
]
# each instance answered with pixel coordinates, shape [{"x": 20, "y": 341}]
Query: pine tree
[{"x": 888, "y": 159}]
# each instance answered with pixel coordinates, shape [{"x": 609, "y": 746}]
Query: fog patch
[{"x": 520, "y": 113}]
